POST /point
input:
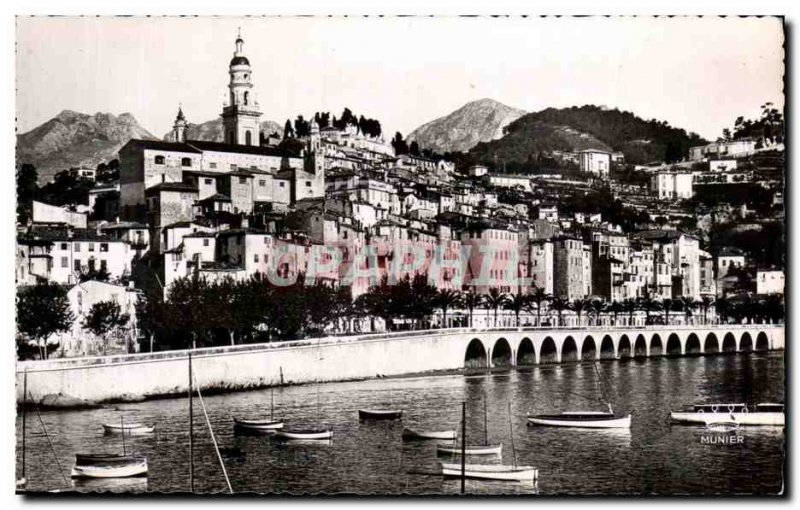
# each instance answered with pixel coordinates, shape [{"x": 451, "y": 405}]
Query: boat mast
[
  {"x": 511, "y": 431},
  {"x": 271, "y": 403},
  {"x": 191, "y": 431},
  {"x": 485, "y": 422},
  {"x": 603, "y": 389},
  {"x": 122, "y": 426},
  {"x": 463, "y": 446}
]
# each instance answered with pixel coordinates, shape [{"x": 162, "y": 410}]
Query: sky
[{"x": 696, "y": 73}]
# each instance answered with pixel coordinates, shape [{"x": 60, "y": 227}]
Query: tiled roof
[
  {"x": 217, "y": 197},
  {"x": 161, "y": 145},
  {"x": 203, "y": 145},
  {"x": 171, "y": 186}
]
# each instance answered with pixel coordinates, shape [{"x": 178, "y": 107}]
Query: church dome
[{"x": 239, "y": 61}]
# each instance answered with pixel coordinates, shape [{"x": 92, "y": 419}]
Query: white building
[
  {"x": 46, "y": 213},
  {"x": 722, "y": 165},
  {"x": 731, "y": 148},
  {"x": 595, "y": 162},
  {"x": 770, "y": 281},
  {"x": 672, "y": 185}
]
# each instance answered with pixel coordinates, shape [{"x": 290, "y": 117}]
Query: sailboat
[
  {"x": 466, "y": 449},
  {"x": 109, "y": 465},
  {"x": 585, "y": 419},
  {"x": 317, "y": 433},
  {"x": 263, "y": 424}
]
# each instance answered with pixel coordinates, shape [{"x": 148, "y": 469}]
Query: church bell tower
[{"x": 241, "y": 112}]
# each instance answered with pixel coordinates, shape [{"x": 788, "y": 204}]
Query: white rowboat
[
  {"x": 590, "y": 420},
  {"x": 470, "y": 449},
  {"x": 127, "y": 428},
  {"x": 304, "y": 434},
  {"x": 258, "y": 425},
  {"x": 409, "y": 434},
  {"x": 491, "y": 472},
  {"x": 108, "y": 466},
  {"x": 761, "y": 414},
  {"x": 380, "y": 414}
]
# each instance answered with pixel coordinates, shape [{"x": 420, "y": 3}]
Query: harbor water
[{"x": 653, "y": 457}]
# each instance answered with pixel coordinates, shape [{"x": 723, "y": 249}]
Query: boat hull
[
  {"x": 470, "y": 450},
  {"x": 409, "y": 434},
  {"x": 380, "y": 414},
  {"x": 128, "y": 430},
  {"x": 587, "y": 421},
  {"x": 138, "y": 468},
  {"x": 258, "y": 425},
  {"x": 491, "y": 472},
  {"x": 304, "y": 434},
  {"x": 756, "y": 418}
]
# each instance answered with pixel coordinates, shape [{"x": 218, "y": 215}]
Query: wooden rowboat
[
  {"x": 411, "y": 435},
  {"x": 489, "y": 449},
  {"x": 380, "y": 414},
  {"x": 304, "y": 434},
  {"x": 701, "y": 414},
  {"x": 491, "y": 472},
  {"x": 258, "y": 425},
  {"x": 106, "y": 465},
  {"x": 128, "y": 429},
  {"x": 582, "y": 419}
]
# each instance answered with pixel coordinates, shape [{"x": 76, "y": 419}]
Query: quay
[{"x": 340, "y": 358}]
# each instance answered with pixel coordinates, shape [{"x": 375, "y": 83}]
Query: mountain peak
[{"x": 478, "y": 121}]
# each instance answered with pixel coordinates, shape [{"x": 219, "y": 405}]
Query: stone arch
[
  {"x": 656, "y": 345},
  {"x": 746, "y": 343},
  {"x": 729, "y": 343},
  {"x": 501, "y": 354},
  {"x": 711, "y": 345},
  {"x": 693, "y": 345},
  {"x": 525, "y": 352},
  {"x": 762, "y": 342},
  {"x": 588, "y": 349},
  {"x": 674, "y": 346},
  {"x": 624, "y": 347},
  {"x": 640, "y": 347},
  {"x": 607, "y": 348},
  {"x": 569, "y": 350},
  {"x": 548, "y": 353},
  {"x": 475, "y": 355}
]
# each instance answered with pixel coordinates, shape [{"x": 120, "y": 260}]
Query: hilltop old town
[{"x": 328, "y": 229}]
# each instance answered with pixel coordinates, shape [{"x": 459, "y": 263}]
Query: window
[
  {"x": 103, "y": 265},
  {"x": 208, "y": 181},
  {"x": 282, "y": 184},
  {"x": 242, "y": 180},
  {"x": 255, "y": 257},
  {"x": 91, "y": 246},
  {"x": 77, "y": 247},
  {"x": 205, "y": 242},
  {"x": 104, "y": 247},
  {"x": 64, "y": 262},
  {"x": 159, "y": 160},
  {"x": 186, "y": 161},
  {"x": 262, "y": 183},
  {"x": 63, "y": 246},
  {"x": 308, "y": 183},
  {"x": 77, "y": 265},
  {"x": 212, "y": 165},
  {"x": 233, "y": 166},
  {"x": 248, "y": 136}
]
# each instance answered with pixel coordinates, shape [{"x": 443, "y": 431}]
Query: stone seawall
[{"x": 91, "y": 380}]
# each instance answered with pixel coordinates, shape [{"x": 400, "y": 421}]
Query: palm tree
[
  {"x": 615, "y": 308},
  {"x": 495, "y": 299},
  {"x": 688, "y": 304},
  {"x": 724, "y": 308},
  {"x": 516, "y": 303},
  {"x": 472, "y": 301},
  {"x": 667, "y": 305},
  {"x": 648, "y": 304},
  {"x": 578, "y": 306},
  {"x": 559, "y": 305},
  {"x": 539, "y": 296},
  {"x": 446, "y": 299},
  {"x": 594, "y": 308},
  {"x": 630, "y": 306},
  {"x": 705, "y": 305}
]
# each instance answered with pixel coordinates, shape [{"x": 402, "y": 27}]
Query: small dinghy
[
  {"x": 701, "y": 414},
  {"x": 129, "y": 429},
  {"x": 583, "y": 419},
  {"x": 491, "y": 472},
  {"x": 108, "y": 465},
  {"x": 315, "y": 434},
  {"x": 266, "y": 425},
  {"x": 380, "y": 414},
  {"x": 412, "y": 435},
  {"x": 487, "y": 449}
]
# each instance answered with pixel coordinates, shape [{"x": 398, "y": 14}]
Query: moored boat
[
  {"x": 380, "y": 414},
  {"x": 129, "y": 429},
  {"x": 106, "y": 465},
  {"x": 409, "y": 434},
  {"x": 491, "y": 472},
  {"x": 487, "y": 449},
  {"x": 315, "y": 434},
  {"x": 760, "y": 414},
  {"x": 265, "y": 425},
  {"x": 583, "y": 419}
]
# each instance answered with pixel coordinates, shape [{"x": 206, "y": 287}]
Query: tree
[
  {"x": 516, "y": 303},
  {"x": 413, "y": 149},
  {"x": 539, "y": 296},
  {"x": 559, "y": 304},
  {"x": 595, "y": 307},
  {"x": 578, "y": 306},
  {"x": 302, "y": 127},
  {"x": 105, "y": 319},
  {"x": 688, "y": 304},
  {"x": 705, "y": 304},
  {"x": 446, "y": 299},
  {"x": 400, "y": 145},
  {"x": 100, "y": 275},
  {"x": 26, "y": 191},
  {"x": 616, "y": 308},
  {"x": 648, "y": 304},
  {"x": 42, "y": 310},
  {"x": 494, "y": 300},
  {"x": 667, "y": 305},
  {"x": 630, "y": 306},
  {"x": 472, "y": 300},
  {"x": 421, "y": 299},
  {"x": 288, "y": 130}
]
